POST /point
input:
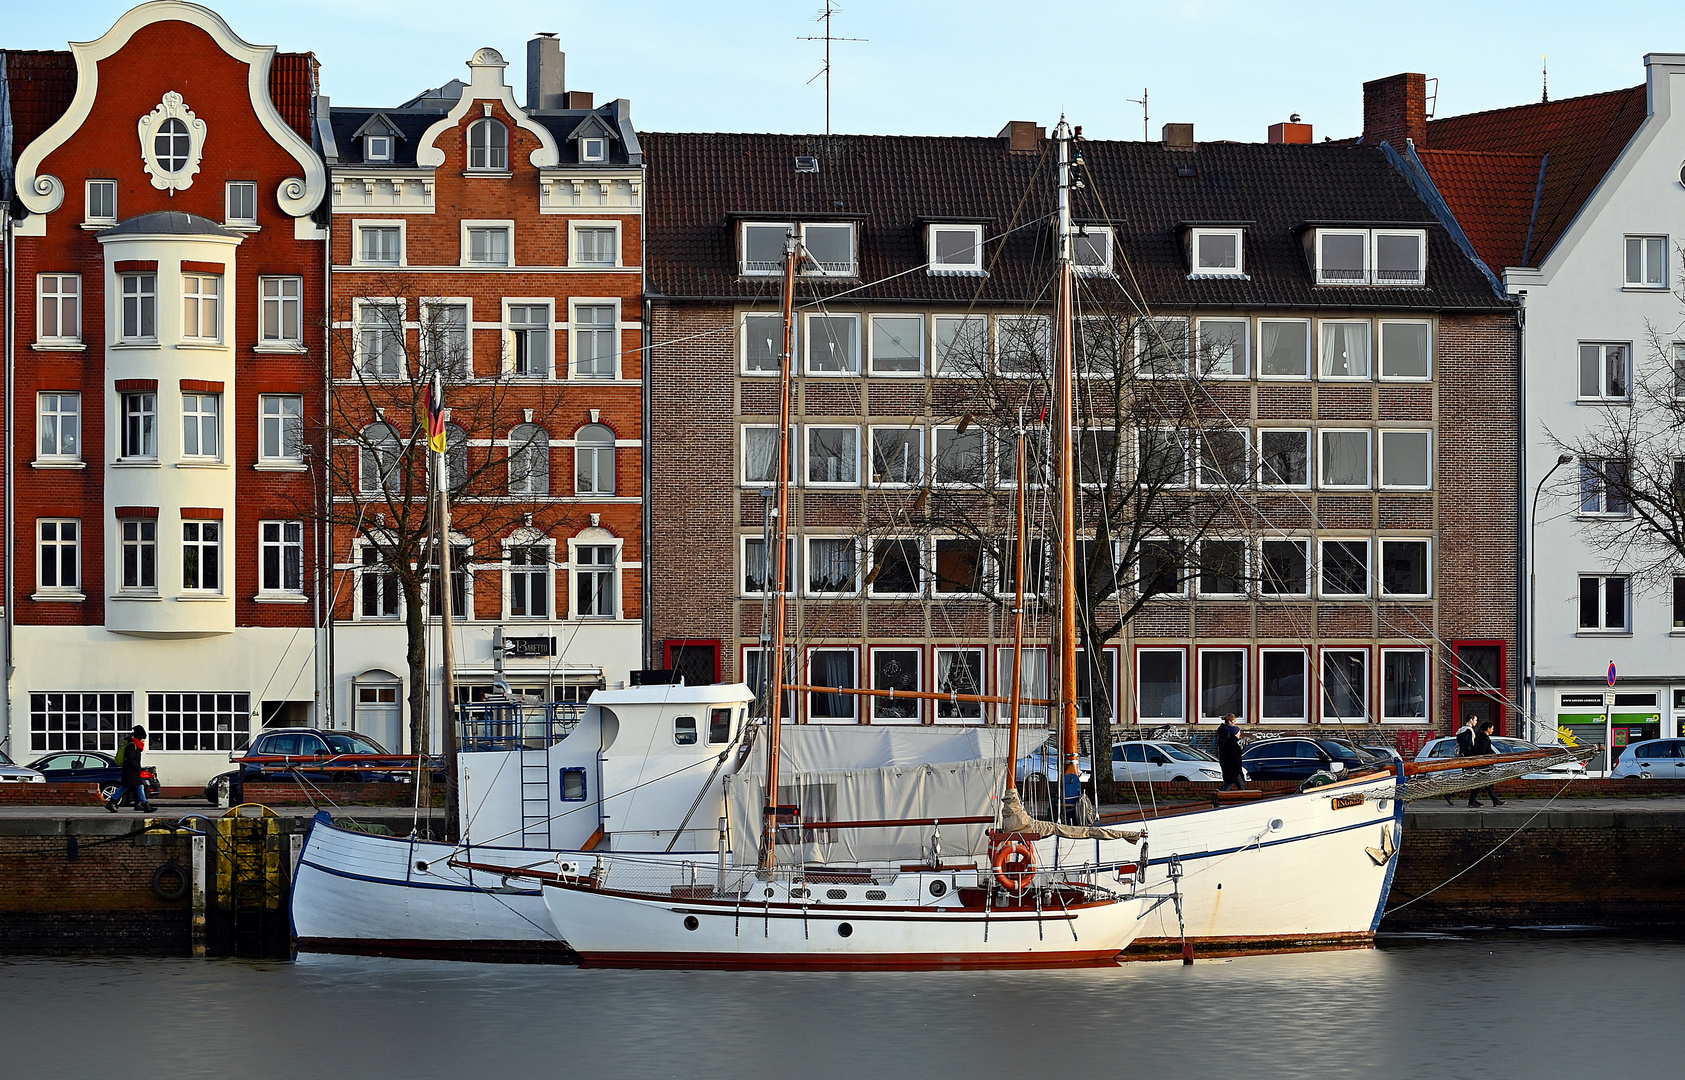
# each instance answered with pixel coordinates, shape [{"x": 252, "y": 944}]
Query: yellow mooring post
[{"x": 249, "y": 910}]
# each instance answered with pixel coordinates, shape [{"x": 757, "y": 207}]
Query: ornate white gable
[{"x": 172, "y": 140}]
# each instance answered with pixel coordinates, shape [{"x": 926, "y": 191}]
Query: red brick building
[
  {"x": 166, "y": 283},
  {"x": 499, "y": 245}
]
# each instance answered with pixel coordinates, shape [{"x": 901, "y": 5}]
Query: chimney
[
  {"x": 1394, "y": 109},
  {"x": 1178, "y": 136},
  {"x": 1291, "y": 131},
  {"x": 579, "y": 99},
  {"x": 546, "y": 73},
  {"x": 1023, "y": 135}
]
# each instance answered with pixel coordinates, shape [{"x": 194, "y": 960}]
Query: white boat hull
[{"x": 613, "y": 929}]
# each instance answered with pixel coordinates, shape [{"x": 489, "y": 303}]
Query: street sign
[{"x": 1611, "y": 673}]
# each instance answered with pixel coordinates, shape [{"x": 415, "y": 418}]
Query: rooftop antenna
[
  {"x": 1141, "y": 101},
  {"x": 825, "y": 17},
  {"x": 1544, "y": 73}
]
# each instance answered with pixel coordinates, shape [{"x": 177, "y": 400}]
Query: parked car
[
  {"x": 313, "y": 746},
  {"x": 1652, "y": 759},
  {"x": 1446, "y": 747},
  {"x": 91, "y": 767},
  {"x": 1149, "y": 761},
  {"x": 1046, "y": 761},
  {"x": 1382, "y": 753},
  {"x": 1299, "y": 758},
  {"x": 13, "y": 773}
]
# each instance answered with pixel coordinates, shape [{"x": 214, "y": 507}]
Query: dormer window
[
  {"x": 377, "y": 148},
  {"x": 956, "y": 249},
  {"x": 1342, "y": 257},
  {"x": 488, "y": 146},
  {"x": 1400, "y": 256},
  {"x": 1371, "y": 256},
  {"x": 1092, "y": 250},
  {"x": 593, "y": 149},
  {"x": 1218, "y": 253},
  {"x": 829, "y": 249},
  {"x": 763, "y": 247}
]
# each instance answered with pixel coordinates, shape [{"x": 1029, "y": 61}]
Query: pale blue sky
[{"x": 957, "y": 67}]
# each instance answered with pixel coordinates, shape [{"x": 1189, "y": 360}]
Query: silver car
[
  {"x": 13, "y": 773},
  {"x": 1502, "y": 744},
  {"x": 1652, "y": 759},
  {"x": 1155, "y": 761}
]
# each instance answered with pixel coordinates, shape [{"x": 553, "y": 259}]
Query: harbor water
[{"x": 1427, "y": 1007}]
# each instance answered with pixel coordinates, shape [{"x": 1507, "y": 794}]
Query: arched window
[
  {"x": 378, "y": 459},
  {"x": 488, "y": 145},
  {"x": 593, "y": 460},
  {"x": 529, "y": 460}
]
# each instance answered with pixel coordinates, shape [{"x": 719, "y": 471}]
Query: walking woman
[{"x": 1228, "y": 753}]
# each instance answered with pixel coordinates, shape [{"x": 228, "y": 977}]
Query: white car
[
  {"x": 13, "y": 773},
  {"x": 1446, "y": 747},
  {"x": 1652, "y": 759},
  {"x": 1148, "y": 762}
]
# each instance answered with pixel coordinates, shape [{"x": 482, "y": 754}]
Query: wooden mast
[
  {"x": 1065, "y": 426},
  {"x": 447, "y": 651},
  {"x": 1017, "y": 622},
  {"x": 774, "y": 665}
]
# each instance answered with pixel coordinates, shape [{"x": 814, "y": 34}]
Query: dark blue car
[{"x": 91, "y": 767}]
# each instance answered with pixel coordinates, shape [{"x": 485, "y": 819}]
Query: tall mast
[
  {"x": 781, "y": 533},
  {"x": 1065, "y": 428},
  {"x": 1017, "y": 620},
  {"x": 447, "y": 651}
]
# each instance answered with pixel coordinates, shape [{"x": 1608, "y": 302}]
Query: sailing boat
[{"x": 637, "y": 911}]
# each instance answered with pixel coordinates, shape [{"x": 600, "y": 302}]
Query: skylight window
[{"x": 956, "y": 249}]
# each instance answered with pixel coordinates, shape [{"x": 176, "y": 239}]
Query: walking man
[
  {"x": 1228, "y": 753},
  {"x": 128, "y": 757},
  {"x": 1465, "y": 742}
]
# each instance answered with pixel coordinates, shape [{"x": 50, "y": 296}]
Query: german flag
[{"x": 436, "y": 415}]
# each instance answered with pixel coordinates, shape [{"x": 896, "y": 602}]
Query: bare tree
[{"x": 386, "y": 349}]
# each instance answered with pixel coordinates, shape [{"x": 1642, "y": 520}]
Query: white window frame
[
  {"x": 1196, "y": 271},
  {"x": 853, "y": 700},
  {"x": 809, "y": 563},
  {"x": 1368, "y": 567},
  {"x": 1181, "y": 653},
  {"x": 88, "y": 215},
  {"x": 1322, "y": 683},
  {"x": 1033, "y": 679},
  {"x": 192, "y": 293},
  {"x": 961, "y": 711},
  {"x": 1248, "y": 469},
  {"x": 531, "y": 485},
  {"x": 399, "y": 326},
  {"x": 1005, "y": 337},
  {"x": 1245, "y": 654},
  {"x": 366, "y": 452},
  {"x": 1603, "y": 348},
  {"x": 879, "y": 703},
  {"x": 1595, "y": 489},
  {"x": 1304, "y": 545},
  {"x": 1380, "y": 350},
  {"x": 749, "y": 318},
  {"x": 940, "y": 364},
  {"x": 277, "y": 539},
  {"x": 139, "y": 544},
  {"x": 1310, "y": 458},
  {"x": 1602, "y": 626},
  {"x": 792, "y": 567},
  {"x": 200, "y": 415},
  {"x": 59, "y": 399},
  {"x": 280, "y": 303},
  {"x": 792, "y": 445},
  {"x": 1427, "y": 686},
  {"x": 1245, "y": 581},
  {"x": 851, "y": 366},
  {"x": 358, "y": 227},
  {"x": 275, "y": 420},
  {"x": 1245, "y": 342},
  {"x": 146, "y": 300},
  {"x": 1103, "y": 268},
  {"x": 1381, "y": 567},
  {"x": 1304, "y": 373},
  {"x": 148, "y": 431},
  {"x": 57, "y": 295},
  {"x": 469, "y": 227},
  {"x": 809, "y": 431},
  {"x": 938, "y": 269},
  {"x": 575, "y": 569},
  {"x": 917, "y": 371},
  {"x": 430, "y": 331},
  {"x": 1305, "y": 686},
  {"x": 575, "y": 256},
  {"x": 214, "y": 545},
  {"x": 574, "y": 329},
  {"x": 57, "y": 547},
  {"x": 488, "y": 124},
  {"x": 936, "y": 451},
  {"x": 593, "y": 148},
  {"x": 1381, "y": 439},
  {"x": 1364, "y": 271},
  {"x": 389, "y": 591},
  {"x": 811, "y": 266},
  {"x": 1322, "y": 358},
  {"x": 761, "y": 268},
  {"x": 547, "y": 332},
  {"x": 1323, "y": 457},
  {"x": 1375, "y": 238},
  {"x": 545, "y": 571},
  {"x": 870, "y": 588},
  {"x": 917, "y": 434},
  {"x": 1646, "y": 270},
  {"x": 235, "y": 192},
  {"x": 596, "y": 450},
  {"x": 1142, "y": 343},
  {"x": 378, "y": 148}
]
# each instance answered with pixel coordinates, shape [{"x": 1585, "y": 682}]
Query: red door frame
[{"x": 1494, "y": 694}]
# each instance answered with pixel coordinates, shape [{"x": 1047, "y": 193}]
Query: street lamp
[{"x": 1533, "y": 601}]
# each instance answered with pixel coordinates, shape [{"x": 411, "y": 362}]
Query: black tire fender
[{"x": 170, "y": 881}]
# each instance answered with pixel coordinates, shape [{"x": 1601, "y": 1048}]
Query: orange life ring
[{"x": 1015, "y": 866}]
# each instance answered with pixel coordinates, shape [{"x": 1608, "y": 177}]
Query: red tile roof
[
  {"x": 1582, "y": 137},
  {"x": 40, "y": 85}
]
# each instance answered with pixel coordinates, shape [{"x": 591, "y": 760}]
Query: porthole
[
  {"x": 876, "y": 894},
  {"x": 799, "y": 893},
  {"x": 769, "y": 894},
  {"x": 1276, "y": 824},
  {"x": 845, "y": 930},
  {"x": 836, "y": 894},
  {"x": 421, "y": 868},
  {"x": 691, "y": 922},
  {"x": 937, "y": 888}
]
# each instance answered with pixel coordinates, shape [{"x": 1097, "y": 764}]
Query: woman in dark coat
[
  {"x": 1483, "y": 748},
  {"x": 1228, "y": 753}
]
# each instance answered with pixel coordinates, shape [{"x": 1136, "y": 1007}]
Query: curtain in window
[
  {"x": 759, "y": 446},
  {"x": 833, "y": 667},
  {"x": 1345, "y": 349}
]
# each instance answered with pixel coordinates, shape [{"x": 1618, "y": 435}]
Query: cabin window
[
  {"x": 719, "y": 727},
  {"x": 573, "y": 785},
  {"x": 684, "y": 730}
]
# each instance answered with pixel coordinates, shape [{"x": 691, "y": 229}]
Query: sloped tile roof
[
  {"x": 413, "y": 124},
  {"x": 1582, "y": 135},
  {"x": 1492, "y": 196},
  {"x": 40, "y": 84},
  {"x": 701, "y": 184}
]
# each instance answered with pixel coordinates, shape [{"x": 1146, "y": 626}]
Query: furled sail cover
[
  {"x": 1014, "y": 819},
  {"x": 872, "y": 774}
]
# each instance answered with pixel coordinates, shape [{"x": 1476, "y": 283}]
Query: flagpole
[{"x": 436, "y": 441}]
